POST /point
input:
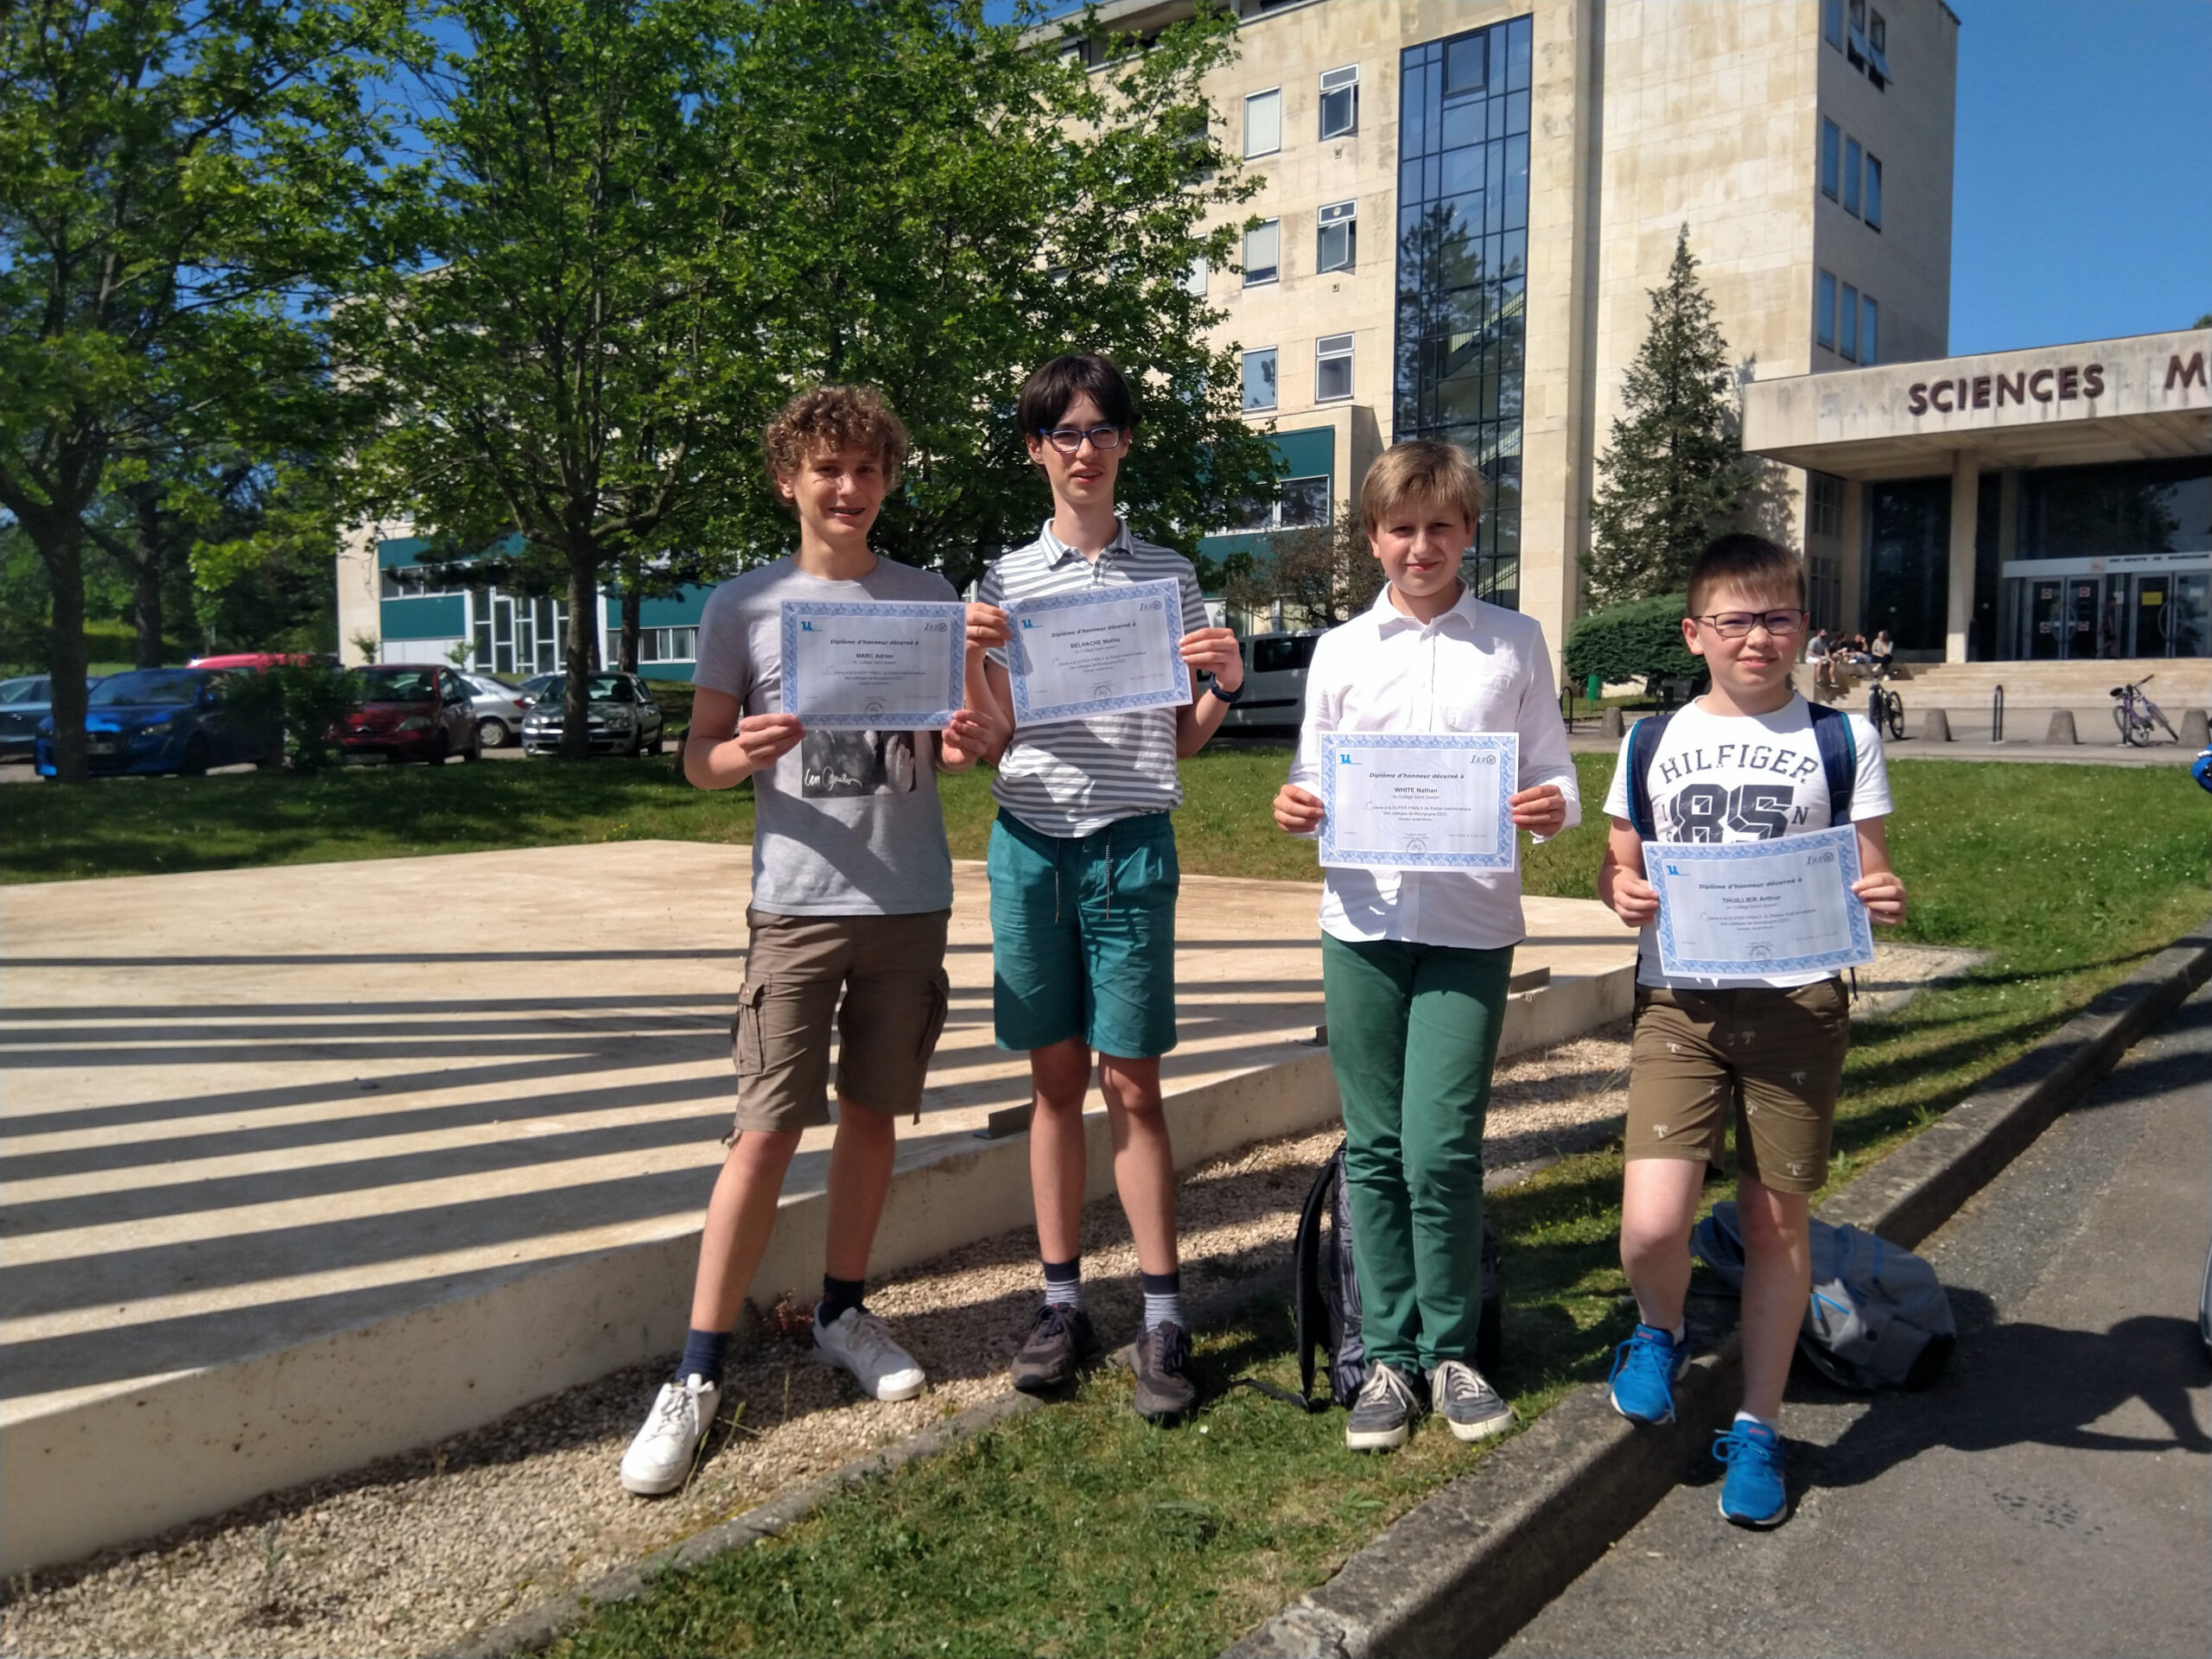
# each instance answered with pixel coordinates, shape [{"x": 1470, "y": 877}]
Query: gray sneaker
[
  {"x": 1384, "y": 1414},
  {"x": 1467, "y": 1402}
]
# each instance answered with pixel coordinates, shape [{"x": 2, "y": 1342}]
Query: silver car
[
  {"x": 499, "y": 708},
  {"x": 23, "y": 703},
  {"x": 625, "y": 718},
  {"x": 1274, "y": 682}
]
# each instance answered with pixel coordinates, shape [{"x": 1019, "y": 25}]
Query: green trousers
[{"x": 1412, "y": 1033}]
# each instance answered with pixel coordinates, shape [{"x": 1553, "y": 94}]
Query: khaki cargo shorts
[
  {"x": 1772, "y": 1060},
  {"x": 890, "y": 970}
]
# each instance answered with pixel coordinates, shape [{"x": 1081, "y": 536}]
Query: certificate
[
  {"x": 1100, "y": 651},
  {"x": 1757, "y": 909},
  {"x": 874, "y": 665},
  {"x": 1426, "y": 801}
]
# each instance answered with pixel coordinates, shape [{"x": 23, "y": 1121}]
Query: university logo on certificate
[{"x": 1419, "y": 801}]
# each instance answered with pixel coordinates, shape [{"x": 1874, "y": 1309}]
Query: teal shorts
[{"x": 1083, "y": 936}]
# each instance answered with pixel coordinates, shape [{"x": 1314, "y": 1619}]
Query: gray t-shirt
[{"x": 846, "y": 823}]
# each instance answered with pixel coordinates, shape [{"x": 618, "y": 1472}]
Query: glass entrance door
[
  {"x": 2170, "y": 618},
  {"x": 2082, "y": 594},
  {"x": 516, "y": 634},
  {"x": 2045, "y": 606}
]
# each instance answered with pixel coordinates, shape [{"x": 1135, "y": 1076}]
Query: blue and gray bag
[{"x": 1878, "y": 1316}]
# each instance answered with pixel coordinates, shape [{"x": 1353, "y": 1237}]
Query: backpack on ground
[
  {"x": 1831, "y": 734},
  {"x": 1878, "y": 1316},
  {"x": 1326, "y": 1294}
]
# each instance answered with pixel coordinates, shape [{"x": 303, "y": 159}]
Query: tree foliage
[
  {"x": 1673, "y": 471},
  {"x": 176, "y": 178},
  {"x": 646, "y": 222},
  {"x": 1323, "y": 574},
  {"x": 1639, "y": 640}
]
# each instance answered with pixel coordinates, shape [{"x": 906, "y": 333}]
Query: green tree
[
  {"x": 1674, "y": 473},
  {"x": 176, "y": 178},
  {"x": 1641, "y": 639}
]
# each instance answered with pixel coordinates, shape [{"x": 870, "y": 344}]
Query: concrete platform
[{"x": 306, "y": 1166}]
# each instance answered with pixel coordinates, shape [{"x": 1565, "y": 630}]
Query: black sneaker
[
  {"x": 1060, "y": 1338},
  {"x": 1164, "y": 1390}
]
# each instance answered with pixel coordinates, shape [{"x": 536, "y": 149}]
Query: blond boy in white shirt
[{"x": 1416, "y": 963}]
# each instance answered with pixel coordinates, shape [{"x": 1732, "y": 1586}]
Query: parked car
[
  {"x": 625, "y": 718},
  {"x": 411, "y": 711},
  {"x": 24, "y": 701},
  {"x": 1274, "y": 682},
  {"x": 538, "y": 686},
  {"x": 260, "y": 659},
  {"x": 499, "y": 707},
  {"x": 168, "y": 719}
]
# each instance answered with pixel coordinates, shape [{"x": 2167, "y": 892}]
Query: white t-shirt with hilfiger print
[{"x": 1718, "y": 778}]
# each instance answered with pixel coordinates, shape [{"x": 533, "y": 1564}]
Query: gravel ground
[{"x": 411, "y": 1554}]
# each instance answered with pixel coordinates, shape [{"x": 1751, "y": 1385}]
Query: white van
[{"x": 1274, "y": 680}]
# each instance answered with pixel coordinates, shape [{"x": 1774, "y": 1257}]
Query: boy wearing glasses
[
  {"x": 1084, "y": 880},
  {"x": 1747, "y": 761}
]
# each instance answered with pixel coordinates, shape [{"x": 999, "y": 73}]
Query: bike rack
[{"x": 1997, "y": 717}]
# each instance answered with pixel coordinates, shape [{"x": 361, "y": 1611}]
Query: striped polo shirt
[{"x": 1073, "y": 778}]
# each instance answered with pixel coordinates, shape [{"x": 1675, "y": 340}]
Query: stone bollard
[
  {"x": 2061, "y": 728},
  {"x": 1609, "y": 725},
  {"x": 1935, "y": 727},
  {"x": 2196, "y": 729}
]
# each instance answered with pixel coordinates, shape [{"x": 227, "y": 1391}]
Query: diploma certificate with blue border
[
  {"x": 1100, "y": 651},
  {"x": 874, "y": 665},
  {"x": 1759, "y": 909},
  {"x": 1419, "y": 801}
]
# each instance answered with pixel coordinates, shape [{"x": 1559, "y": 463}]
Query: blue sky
[{"x": 2082, "y": 206}]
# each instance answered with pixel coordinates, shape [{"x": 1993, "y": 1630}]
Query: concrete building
[
  {"x": 2052, "y": 504},
  {"x": 1466, "y": 201}
]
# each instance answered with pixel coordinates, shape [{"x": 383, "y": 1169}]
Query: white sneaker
[
  {"x": 860, "y": 1343},
  {"x": 659, "y": 1460}
]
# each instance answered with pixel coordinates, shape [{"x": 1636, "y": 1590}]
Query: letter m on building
[{"x": 2185, "y": 375}]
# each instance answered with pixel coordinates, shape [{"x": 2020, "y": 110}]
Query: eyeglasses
[
  {"x": 1068, "y": 440},
  {"x": 1734, "y": 624}
]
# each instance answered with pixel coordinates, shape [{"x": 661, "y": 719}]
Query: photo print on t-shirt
[{"x": 857, "y": 763}]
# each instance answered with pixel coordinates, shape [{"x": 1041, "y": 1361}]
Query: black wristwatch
[{"x": 1213, "y": 685}]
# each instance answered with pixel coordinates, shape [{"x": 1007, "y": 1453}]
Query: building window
[
  {"x": 1831, "y": 22},
  {"x": 1302, "y": 501},
  {"x": 1340, "y": 102},
  {"x": 1831, "y": 160},
  {"x": 1873, "y": 193},
  {"x": 1462, "y": 255},
  {"x": 1847, "y": 345},
  {"x": 1262, "y": 252},
  {"x": 668, "y": 644},
  {"x": 1260, "y": 379},
  {"x": 1194, "y": 280},
  {"x": 1869, "y": 325},
  {"x": 420, "y": 582},
  {"x": 1263, "y": 123},
  {"x": 1824, "y": 505},
  {"x": 1854, "y": 159},
  {"x": 1337, "y": 245},
  {"x": 1824, "y": 326},
  {"x": 1331, "y": 367}
]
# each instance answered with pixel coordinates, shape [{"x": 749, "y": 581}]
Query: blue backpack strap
[
  {"x": 1642, "y": 743},
  {"x": 1839, "y": 758}
]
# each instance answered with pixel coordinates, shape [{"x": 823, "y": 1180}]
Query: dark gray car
[
  {"x": 1274, "y": 680},
  {"x": 23, "y": 702},
  {"x": 625, "y": 718}
]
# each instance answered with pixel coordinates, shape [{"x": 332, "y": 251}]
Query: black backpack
[{"x": 1326, "y": 1294}]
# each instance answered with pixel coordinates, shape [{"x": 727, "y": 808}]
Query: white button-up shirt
[{"x": 1476, "y": 668}]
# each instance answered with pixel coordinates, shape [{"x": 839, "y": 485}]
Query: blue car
[{"x": 167, "y": 720}]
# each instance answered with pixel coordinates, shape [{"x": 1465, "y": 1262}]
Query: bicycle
[
  {"x": 2135, "y": 714},
  {"x": 1885, "y": 710}
]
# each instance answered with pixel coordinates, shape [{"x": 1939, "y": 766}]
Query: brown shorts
[
  {"x": 891, "y": 969},
  {"x": 1770, "y": 1059}
]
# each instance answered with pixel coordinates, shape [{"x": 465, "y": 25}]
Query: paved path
[{"x": 2049, "y": 1495}]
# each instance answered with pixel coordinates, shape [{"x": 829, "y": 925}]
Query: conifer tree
[{"x": 1673, "y": 474}]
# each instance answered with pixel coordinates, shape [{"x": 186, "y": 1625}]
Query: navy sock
[
  {"x": 837, "y": 1295},
  {"x": 1063, "y": 1282},
  {"x": 1163, "y": 1299},
  {"x": 705, "y": 1353}
]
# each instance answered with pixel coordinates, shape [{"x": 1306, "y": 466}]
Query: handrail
[{"x": 1997, "y": 717}]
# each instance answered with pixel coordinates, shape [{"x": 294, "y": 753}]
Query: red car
[{"x": 411, "y": 711}]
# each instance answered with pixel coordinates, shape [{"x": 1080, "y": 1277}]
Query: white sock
[{"x": 1774, "y": 1429}]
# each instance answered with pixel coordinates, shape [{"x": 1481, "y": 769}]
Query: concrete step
[{"x": 308, "y": 1165}]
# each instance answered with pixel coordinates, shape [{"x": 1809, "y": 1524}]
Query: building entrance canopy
[{"x": 2054, "y": 502}]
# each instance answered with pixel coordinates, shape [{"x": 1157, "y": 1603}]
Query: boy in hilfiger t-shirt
[{"x": 1748, "y": 761}]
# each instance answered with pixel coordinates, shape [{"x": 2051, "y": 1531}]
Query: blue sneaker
[
  {"x": 1753, "y": 1495},
  {"x": 1645, "y": 1369}
]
